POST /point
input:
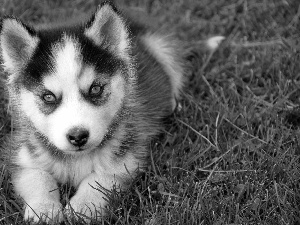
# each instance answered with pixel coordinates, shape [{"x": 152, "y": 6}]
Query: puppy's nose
[{"x": 78, "y": 136}]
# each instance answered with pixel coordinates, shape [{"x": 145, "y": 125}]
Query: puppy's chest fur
[
  {"x": 69, "y": 169},
  {"x": 73, "y": 169}
]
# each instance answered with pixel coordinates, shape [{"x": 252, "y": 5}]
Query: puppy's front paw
[
  {"x": 49, "y": 212},
  {"x": 86, "y": 208}
]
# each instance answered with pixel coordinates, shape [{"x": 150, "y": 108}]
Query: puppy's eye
[
  {"x": 96, "y": 90},
  {"x": 49, "y": 98}
]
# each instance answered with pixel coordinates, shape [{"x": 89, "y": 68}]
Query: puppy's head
[{"x": 69, "y": 83}]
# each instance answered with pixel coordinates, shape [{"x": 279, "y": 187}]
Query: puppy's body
[{"x": 86, "y": 101}]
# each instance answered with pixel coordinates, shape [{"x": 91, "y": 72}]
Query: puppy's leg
[
  {"x": 109, "y": 171},
  {"x": 40, "y": 193},
  {"x": 89, "y": 199}
]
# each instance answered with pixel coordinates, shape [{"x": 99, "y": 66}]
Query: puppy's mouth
[{"x": 84, "y": 149}]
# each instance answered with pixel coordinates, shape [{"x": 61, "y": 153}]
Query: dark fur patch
[
  {"x": 32, "y": 149},
  {"x": 154, "y": 86},
  {"x": 127, "y": 143},
  {"x": 46, "y": 108},
  {"x": 97, "y": 100},
  {"x": 41, "y": 62},
  {"x": 120, "y": 116}
]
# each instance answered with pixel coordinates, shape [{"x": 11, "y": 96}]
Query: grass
[{"x": 231, "y": 154}]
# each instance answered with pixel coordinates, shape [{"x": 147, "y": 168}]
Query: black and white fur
[{"x": 86, "y": 100}]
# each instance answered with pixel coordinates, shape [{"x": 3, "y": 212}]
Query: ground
[{"x": 230, "y": 153}]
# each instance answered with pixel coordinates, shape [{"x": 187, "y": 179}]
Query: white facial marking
[
  {"x": 67, "y": 66},
  {"x": 67, "y": 59},
  {"x": 87, "y": 76}
]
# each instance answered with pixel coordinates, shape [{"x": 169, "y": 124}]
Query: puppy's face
[
  {"x": 73, "y": 105},
  {"x": 71, "y": 82}
]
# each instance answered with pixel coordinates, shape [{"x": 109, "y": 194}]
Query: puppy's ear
[
  {"x": 17, "y": 44},
  {"x": 108, "y": 29}
]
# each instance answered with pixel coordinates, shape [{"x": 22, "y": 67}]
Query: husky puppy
[{"x": 85, "y": 100}]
